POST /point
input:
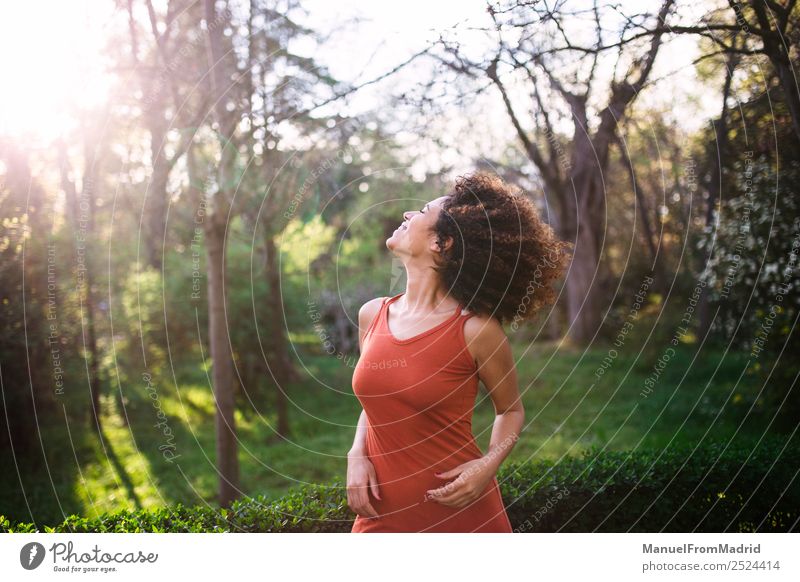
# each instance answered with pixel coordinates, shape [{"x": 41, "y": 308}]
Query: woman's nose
[{"x": 407, "y": 215}]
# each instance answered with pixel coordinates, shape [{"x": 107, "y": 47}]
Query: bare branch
[
  {"x": 377, "y": 79},
  {"x": 533, "y": 151}
]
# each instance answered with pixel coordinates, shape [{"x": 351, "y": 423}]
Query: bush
[{"x": 738, "y": 489}]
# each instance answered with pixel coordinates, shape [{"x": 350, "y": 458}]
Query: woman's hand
[
  {"x": 361, "y": 479},
  {"x": 472, "y": 478}
]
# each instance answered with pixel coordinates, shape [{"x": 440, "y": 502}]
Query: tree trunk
[
  {"x": 220, "y": 67},
  {"x": 281, "y": 368},
  {"x": 94, "y": 372},
  {"x": 721, "y": 144},
  {"x": 786, "y": 76},
  {"x": 582, "y": 286},
  {"x": 222, "y": 367},
  {"x": 778, "y": 46},
  {"x": 76, "y": 219},
  {"x": 580, "y": 225},
  {"x": 648, "y": 228},
  {"x": 156, "y": 199}
]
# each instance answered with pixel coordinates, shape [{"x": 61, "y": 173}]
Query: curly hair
[{"x": 504, "y": 260}]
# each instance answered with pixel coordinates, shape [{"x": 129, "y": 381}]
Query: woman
[{"x": 474, "y": 259}]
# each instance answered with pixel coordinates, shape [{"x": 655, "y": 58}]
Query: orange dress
[{"x": 418, "y": 395}]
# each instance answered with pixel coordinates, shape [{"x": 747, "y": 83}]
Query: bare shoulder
[
  {"x": 484, "y": 336},
  {"x": 368, "y": 311}
]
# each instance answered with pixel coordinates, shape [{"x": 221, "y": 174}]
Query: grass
[{"x": 567, "y": 410}]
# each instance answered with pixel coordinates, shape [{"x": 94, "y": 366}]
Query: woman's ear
[{"x": 445, "y": 246}]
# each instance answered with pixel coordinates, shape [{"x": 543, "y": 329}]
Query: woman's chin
[
  {"x": 393, "y": 241},
  {"x": 397, "y": 237}
]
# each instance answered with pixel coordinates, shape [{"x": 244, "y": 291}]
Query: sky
[
  {"x": 48, "y": 62},
  {"x": 57, "y": 63},
  {"x": 388, "y": 34},
  {"x": 391, "y": 32}
]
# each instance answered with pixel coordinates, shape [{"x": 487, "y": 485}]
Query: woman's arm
[
  {"x": 492, "y": 352},
  {"x": 359, "y": 447},
  {"x": 366, "y": 314},
  {"x": 499, "y": 375},
  {"x": 361, "y": 477}
]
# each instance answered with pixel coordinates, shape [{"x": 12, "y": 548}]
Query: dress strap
[
  {"x": 466, "y": 315},
  {"x": 376, "y": 320}
]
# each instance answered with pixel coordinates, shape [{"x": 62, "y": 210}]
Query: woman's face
[{"x": 415, "y": 236}]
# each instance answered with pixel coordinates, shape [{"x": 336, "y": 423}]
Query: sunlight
[{"x": 50, "y": 66}]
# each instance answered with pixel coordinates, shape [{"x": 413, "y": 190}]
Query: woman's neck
[{"x": 425, "y": 294}]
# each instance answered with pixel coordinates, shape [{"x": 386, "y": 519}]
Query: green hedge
[{"x": 741, "y": 489}]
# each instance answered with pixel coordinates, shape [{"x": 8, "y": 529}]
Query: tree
[
  {"x": 278, "y": 85},
  {"x": 767, "y": 27},
  {"x": 215, "y": 225},
  {"x": 535, "y": 43},
  {"x": 29, "y": 332},
  {"x": 258, "y": 86},
  {"x": 753, "y": 244},
  {"x": 81, "y": 202},
  {"x": 168, "y": 100}
]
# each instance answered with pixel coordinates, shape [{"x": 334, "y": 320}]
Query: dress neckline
[{"x": 419, "y": 335}]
